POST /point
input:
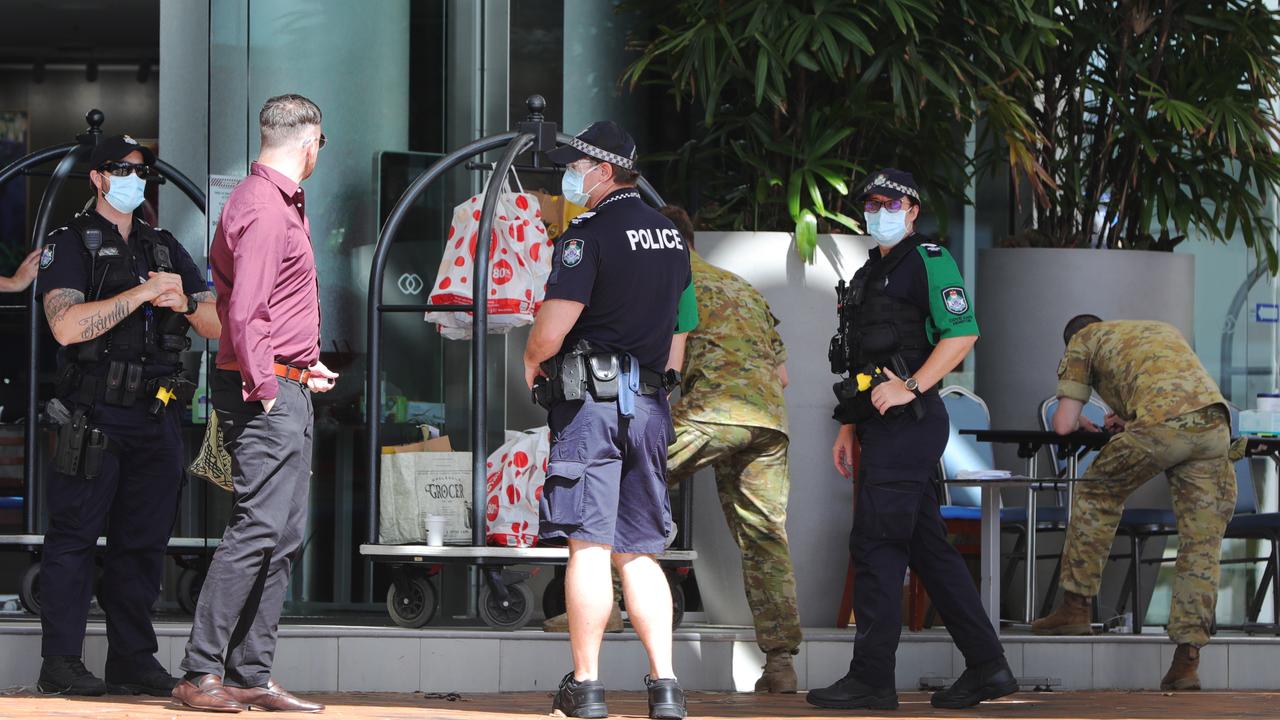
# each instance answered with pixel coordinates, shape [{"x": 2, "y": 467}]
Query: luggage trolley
[
  {"x": 505, "y": 600},
  {"x": 190, "y": 553}
]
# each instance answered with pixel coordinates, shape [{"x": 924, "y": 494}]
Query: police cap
[
  {"x": 603, "y": 140},
  {"x": 892, "y": 183},
  {"x": 117, "y": 147}
]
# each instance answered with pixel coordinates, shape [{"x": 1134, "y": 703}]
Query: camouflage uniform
[
  {"x": 1176, "y": 423},
  {"x": 731, "y": 416}
]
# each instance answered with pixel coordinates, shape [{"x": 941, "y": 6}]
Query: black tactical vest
[
  {"x": 877, "y": 325},
  {"x": 148, "y": 335}
]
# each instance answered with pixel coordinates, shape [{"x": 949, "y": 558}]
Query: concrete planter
[{"x": 820, "y": 512}]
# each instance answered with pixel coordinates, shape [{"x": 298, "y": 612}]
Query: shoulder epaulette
[{"x": 582, "y": 218}]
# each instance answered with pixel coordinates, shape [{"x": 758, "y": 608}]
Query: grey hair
[{"x": 283, "y": 118}]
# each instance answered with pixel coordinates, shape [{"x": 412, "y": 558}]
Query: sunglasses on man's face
[
  {"x": 125, "y": 169},
  {"x": 891, "y": 205}
]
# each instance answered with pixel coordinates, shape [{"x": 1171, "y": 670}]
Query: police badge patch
[
  {"x": 953, "y": 298},
  {"x": 571, "y": 255},
  {"x": 46, "y": 257}
]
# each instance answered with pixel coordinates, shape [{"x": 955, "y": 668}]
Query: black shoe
[
  {"x": 66, "y": 675},
  {"x": 848, "y": 693},
  {"x": 666, "y": 698},
  {"x": 580, "y": 699},
  {"x": 983, "y": 682},
  {"x": 152, "y": 681}
]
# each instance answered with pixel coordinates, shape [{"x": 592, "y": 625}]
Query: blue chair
[{"x": 1249, "y": 524}]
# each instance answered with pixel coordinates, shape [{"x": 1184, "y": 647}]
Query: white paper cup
[{"x": 435, "y": 530}]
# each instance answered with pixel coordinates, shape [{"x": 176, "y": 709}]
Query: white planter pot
[{"x": 820, "y": 510}]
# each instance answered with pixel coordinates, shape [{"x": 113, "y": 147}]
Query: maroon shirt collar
[{"x": 287, "y": 187}]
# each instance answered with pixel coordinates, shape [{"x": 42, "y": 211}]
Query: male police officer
[
  {"x": 1170, "y": 417},
  {"x": 119, "y": 296},
  {"x": 598, "y": 353},
  {"x": 905, "y": 323}
]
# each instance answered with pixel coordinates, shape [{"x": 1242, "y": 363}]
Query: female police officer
[{"x": 905, "y": 323}]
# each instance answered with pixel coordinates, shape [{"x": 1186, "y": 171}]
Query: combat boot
[
  {"x": 779, "y": 674},
  {"x": 67, "y": 675},
  {"x": 1183, "y": 673},
  {"x": 560, "y": 623},
  {"x": 1073, "y": 617}
]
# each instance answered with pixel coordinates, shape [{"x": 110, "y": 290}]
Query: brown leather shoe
[
  {"x": 1071, "y": 618},
  {"x": 206, "y": 693},
  {"x": 273, "y": 698}
]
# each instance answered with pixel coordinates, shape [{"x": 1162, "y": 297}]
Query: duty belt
[{"x": 607, "y": 376}]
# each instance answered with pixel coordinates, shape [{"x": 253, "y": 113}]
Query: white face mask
[
  {"x": 886, "y": 227},
  {"x": 126, "y": 193},
  {"x": 571, "y": 186}
]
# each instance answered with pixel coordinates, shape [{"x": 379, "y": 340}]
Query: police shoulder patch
[
  {"x": 580, "y": 219},
  {"x": 954, "y": 300},
  {"x": 571, "y": 253},
  {"x": 46, "y": 256}
]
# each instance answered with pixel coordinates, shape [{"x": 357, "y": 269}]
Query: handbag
[{"x": 213, "y": 462}]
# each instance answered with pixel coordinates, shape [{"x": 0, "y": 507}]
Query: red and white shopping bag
[
  {"x": 519, "y": 263},
  {"x": 516, "y": 474}
]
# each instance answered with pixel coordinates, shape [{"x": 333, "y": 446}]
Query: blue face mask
[
  {"x": 126, "y": 193},
  {"x": 885, "y": 227},
  {"x": 571, "y": 186}
]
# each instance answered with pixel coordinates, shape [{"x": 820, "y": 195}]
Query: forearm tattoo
[
  {"x": 99, "y": 322},
  {"x": 58, "y": 302}
]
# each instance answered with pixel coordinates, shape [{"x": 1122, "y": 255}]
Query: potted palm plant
[{"x": 1157, "y": 124}]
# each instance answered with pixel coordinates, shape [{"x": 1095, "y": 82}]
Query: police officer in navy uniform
[
  {"x": 905, "y": 323},
  {"x": 119, "y": 296},
  {"x": 597, "y": 359}
]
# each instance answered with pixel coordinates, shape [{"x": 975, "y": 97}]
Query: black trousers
[
  {"x": 897, "y": 525},
  {"x": 238, "y": 616},
  {"x": 133, "y": 500}
]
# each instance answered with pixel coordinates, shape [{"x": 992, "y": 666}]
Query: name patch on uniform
[
  {"x": 109, "y": 252},
  {"x": 953, "y": 298},
  {"x": 931, "y": 249},
  {"x": 571, "y": 255},
  {"x": 46, "y": 257}
]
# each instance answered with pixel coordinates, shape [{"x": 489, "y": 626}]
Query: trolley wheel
[
  {"x": 514, "y": 614},
  {"x": 553, "y": 602},
  {"x": 29, "y": 590},
  {"x": 414, "y": 605},
  {"x": 190, "y": 581},
  {"x": 677, "y": 605}
]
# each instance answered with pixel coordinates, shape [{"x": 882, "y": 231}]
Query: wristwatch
[
  {"x": 192, "y": 305},
  {"x": 914, "y": 386}
]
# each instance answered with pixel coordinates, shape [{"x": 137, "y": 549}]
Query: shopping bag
[
  {"x": 519, "y": 263},
  {"x": 515, "y": 475},
  {"x": 416, "y": 485},
  {"x": 212, "y": 462}
]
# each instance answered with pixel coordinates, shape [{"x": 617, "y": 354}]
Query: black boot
[
  {"x": 988, "y": 681},
  {"x": 66, "y": 675},
  {"x": 580, "y": 699},
  {"x": 848, "y": 693},
  {"x": 666, "y": 698},
  {"x": 152, "y": 681}
]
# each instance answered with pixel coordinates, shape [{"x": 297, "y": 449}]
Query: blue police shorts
[{"x": 606, "y": 475}]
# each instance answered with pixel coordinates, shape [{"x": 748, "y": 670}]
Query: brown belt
[{"x": 286, "y": 372}]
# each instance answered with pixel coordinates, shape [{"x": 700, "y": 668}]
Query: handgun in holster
[
  {"x": 565, "y": 377},
  {"x": 901, "y": 370},
  {"x": 80, "y": 447}
]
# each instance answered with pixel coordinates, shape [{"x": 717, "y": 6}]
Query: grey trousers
[{"x": 238, "y": 615}]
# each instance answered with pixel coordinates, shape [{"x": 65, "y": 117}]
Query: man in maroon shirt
[{"x": 268, "y": 365}]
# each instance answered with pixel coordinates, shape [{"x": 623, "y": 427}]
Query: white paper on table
[{"x": 983, "y": 475}]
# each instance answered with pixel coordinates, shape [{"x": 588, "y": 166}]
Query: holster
[
  {"x": 80, "y": 447},
  {"x": 901, "y": 370}
]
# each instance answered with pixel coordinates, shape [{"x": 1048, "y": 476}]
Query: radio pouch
[{"x": 604, "y": 376}]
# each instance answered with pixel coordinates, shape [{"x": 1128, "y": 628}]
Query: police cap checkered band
[
  {"x": 603, "y": 140},
  {"x": 605, "y": 155},
  {"x": 891, "y": 183}
]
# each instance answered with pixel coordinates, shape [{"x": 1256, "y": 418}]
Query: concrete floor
[{"x": 1056, "y": 706}]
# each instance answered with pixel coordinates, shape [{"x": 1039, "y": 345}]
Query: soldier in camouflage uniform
[
  {"x": 731, "y": 416},
  {"x": 1169, "y": 417}
]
